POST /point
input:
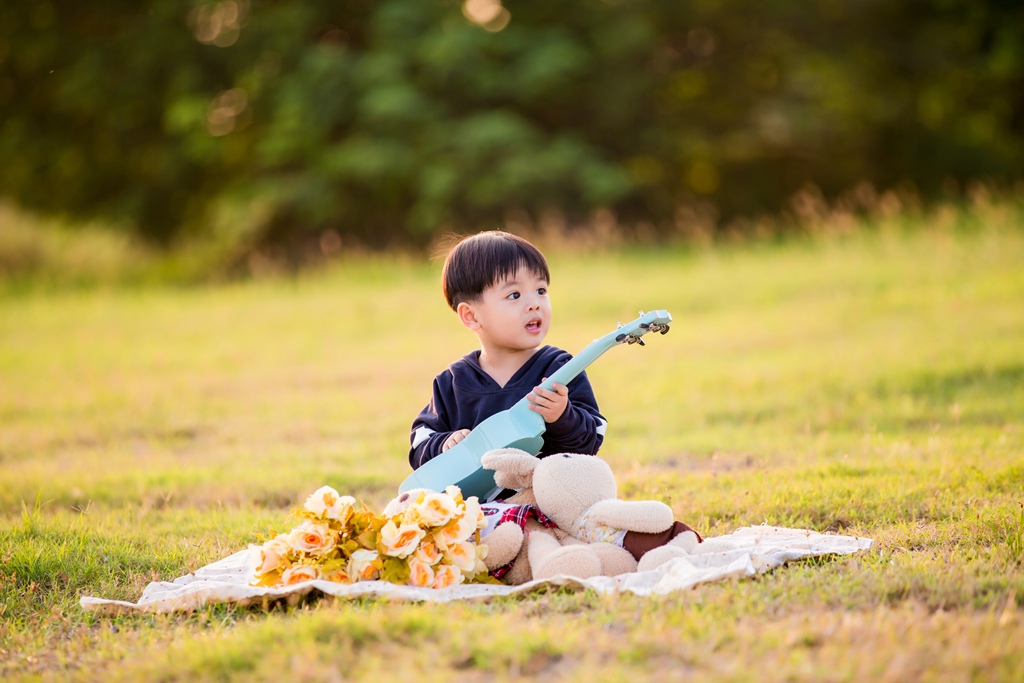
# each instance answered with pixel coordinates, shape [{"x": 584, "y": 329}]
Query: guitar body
[{"x": 517, "y": 427}]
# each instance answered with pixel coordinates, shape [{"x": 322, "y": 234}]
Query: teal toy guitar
[{"x": 518, "y": 427}]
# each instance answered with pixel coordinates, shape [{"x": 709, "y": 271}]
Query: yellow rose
[
  {"x": 436, "y": 509},
  {"x": 326, "y": 502},
  {"x": 446, "y": 575},
  {"x": 298, "y": 573},
  {"x": 462, "y": 555},
  {"x": 420, "y": 574},
  {"x": 313, "y": 538},
  {"x": 361, "y": 567},
  {"x": 428, "y": 553},
  {"x": 400, "y": 541},
  {"x": 268, "y": 557}
]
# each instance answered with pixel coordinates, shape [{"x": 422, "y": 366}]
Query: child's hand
[
  {"x": 455, "y": 438},
  {"x": 550, "y": 403}
]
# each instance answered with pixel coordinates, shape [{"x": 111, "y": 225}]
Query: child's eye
[
  {"x": 542, "y": 291},
  {"x": 513, "y": 296}
]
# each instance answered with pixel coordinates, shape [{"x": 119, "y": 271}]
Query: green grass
[{"x": 871, "y": 384}]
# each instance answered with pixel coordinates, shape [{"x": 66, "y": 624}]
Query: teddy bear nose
[{"x": 565, "y": 455}]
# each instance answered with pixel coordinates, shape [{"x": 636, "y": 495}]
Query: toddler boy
[{"x": 497, "y": 283}]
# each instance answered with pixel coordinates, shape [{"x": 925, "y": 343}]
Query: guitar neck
[
  {"x": 576, "y": 365},
  {"x": 654, "y": 321}
]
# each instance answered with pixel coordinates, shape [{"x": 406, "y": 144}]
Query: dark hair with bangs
[{"x": 481, "y": 260}]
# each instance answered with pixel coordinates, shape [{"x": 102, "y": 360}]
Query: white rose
[
  {"x": 462, "y": 555},
  {"x": 321, "y": 500},
  {"x": 268, "y": 557},
  {"x": 337, "y": 575},
  {"x": 436, "y": 509},
  {"x": 457, "y": 531},
  {"x": 342, "y": 509},
  {"x": 428, "y": 553},
  {"x": 326, "y": 502},
  {"x": 361, "y": 567},
  {"x": 475, "y": 512},
  {"x": 480, "y": 567},
  {"x": 313, "y": 538},
  {"x": 446, "y": 575},
  {"x": 298, "y": 573},
  {"x": 420, "y": 574},
  {"x": 400, "y": 541}
]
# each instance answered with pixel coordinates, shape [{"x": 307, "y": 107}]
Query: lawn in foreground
[{"x": 870, "y": 385}]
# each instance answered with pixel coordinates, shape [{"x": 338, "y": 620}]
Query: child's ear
[{"x": 467, "y": 315}]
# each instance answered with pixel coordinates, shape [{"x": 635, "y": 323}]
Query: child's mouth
[{"x": 533, "y": 326}]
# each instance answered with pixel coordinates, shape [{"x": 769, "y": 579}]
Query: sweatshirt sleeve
[
  {"x": 431, "y": 428},
  {"x": 581, "y": 427}
]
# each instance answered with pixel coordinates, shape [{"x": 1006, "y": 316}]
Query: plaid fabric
[{"x": 519, "y": 515}]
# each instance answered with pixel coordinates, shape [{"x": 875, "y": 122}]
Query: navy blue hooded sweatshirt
[{"x": 464, "y": 396}]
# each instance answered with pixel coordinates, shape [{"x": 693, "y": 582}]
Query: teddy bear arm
[
  {"x": 647, "y": 516},
  {"x": 503, "y": 544}
]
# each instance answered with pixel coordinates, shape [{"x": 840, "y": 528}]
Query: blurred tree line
[{"x": 394, "y": 120}]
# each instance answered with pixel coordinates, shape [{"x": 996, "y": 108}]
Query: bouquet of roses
[{"x": 433, "y": 542}]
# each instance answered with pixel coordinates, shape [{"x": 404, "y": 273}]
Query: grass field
[{"x": 870, "y": 384}]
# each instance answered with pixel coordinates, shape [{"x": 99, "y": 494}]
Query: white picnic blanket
[{"x": 745, "y": 552}]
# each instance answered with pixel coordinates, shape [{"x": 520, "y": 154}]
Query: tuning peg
[
  {"x": 640, "y": 341},
  {"x": 664, "y": 329},
  {"x": 620, "y": 337}
]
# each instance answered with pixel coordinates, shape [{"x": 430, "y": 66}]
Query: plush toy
[
  {"x": 544, "y": 549},
  {"x": 579, "y": 494}
]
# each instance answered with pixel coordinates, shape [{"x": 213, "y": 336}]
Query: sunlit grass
[{"x": 869, "y": 384}]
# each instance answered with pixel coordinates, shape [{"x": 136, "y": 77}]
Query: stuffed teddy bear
[
  {"x": 544, "y": 549},
  {"x": 579, "y": 494}
]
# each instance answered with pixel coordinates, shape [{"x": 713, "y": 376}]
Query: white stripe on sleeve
[{"x": 421, "y": 434}]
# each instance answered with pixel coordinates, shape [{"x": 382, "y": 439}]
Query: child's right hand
[{"x": 455, "y": 438}]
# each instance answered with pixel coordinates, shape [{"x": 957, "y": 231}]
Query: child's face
[{"x": 514, "y": 314}]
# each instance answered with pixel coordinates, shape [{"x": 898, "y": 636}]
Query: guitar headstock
[{"x": 654, "y": 321}]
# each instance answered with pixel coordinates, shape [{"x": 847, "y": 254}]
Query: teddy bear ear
[
  {"x": 513, "y": 468},
  {"x": 400, "y": 502}
]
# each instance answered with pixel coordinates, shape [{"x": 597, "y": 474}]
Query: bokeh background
[
  {"x": 296, "y": 130},
  {"x": 218, "y": 291}
]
